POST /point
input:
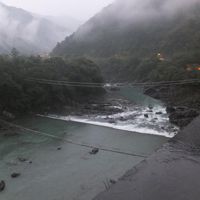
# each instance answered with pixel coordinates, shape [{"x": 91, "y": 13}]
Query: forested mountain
[
  {"x": 29, "y": 33},
  {"x": 131, "y": 38}
]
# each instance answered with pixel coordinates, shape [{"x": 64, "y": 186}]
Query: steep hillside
[
  {"x": 28, "y": 32},
  {"x": 127, "y": 32}
]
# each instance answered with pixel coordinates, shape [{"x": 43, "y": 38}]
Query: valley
[{"x": 102, "y": 109}]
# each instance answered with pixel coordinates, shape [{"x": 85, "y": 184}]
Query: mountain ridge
[
  {"x": 125, "y": 38},
  {"x": 97, "y": 28},
  {"x": 28, "y": 32}
]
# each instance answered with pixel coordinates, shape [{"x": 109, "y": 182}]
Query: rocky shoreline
[
  {"x": 114, "y": 109},
  {"x": 109, "y": 104},
  {"x": 182, "y": 106}
]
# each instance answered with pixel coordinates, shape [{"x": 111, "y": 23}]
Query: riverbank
[
  {"x": 170, "y": 173},
  {"x": 182, "y": 102}
]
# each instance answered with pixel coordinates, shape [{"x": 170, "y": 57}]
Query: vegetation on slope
[
  {"x": 125, "y": 38},
  {"x": 18, "y": 94}
]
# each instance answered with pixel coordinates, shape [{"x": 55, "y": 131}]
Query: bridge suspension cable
[
  {"x": 100, "y": 85},
  {"x": 100, "y": 147}
]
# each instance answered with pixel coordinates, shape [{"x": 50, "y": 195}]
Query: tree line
[{"x": 19, "y": 95}]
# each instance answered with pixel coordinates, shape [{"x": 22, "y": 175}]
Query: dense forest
[
  {"x": 19, "y": 93},
  {"x": 154, "y": 68},
  {"x": 126, "y": 38}
]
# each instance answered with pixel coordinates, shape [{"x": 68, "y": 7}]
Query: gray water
[
  {"x": 136, "y": 95},
  {"x": 71, "y": 173}
]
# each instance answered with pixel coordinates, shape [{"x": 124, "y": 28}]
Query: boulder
[
  {"x": 182, "y": 117},
  {"x": 112, "y": 121},
  {"x": 123, "y": 119},
  {"x": 182, "y": 108},
  {"x": 157, "y": 92},
  {"x": 170, "y": 109},
  {"x": 2, "y": 185},
  {"x": 94, "y": 151},
  {"x": 113, "y": 181},
  {"x": 159, "y": 113},
  {"x": 152, "y": 92},
  {"x": 150, "y": 107},
  {"x": 129, "y": 117},
  {"x": 15, "y": 175}
]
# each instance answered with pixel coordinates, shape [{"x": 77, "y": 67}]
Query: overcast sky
[{"x": 79, "y": 9}]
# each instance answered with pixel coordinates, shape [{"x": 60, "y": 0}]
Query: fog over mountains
[
  {"x": 126, "y": 37},
  {"x": 31, "y": 33},
  {"x": 131, "y": 26}
]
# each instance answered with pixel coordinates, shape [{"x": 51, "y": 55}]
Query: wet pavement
[{"x": 172, "y": 173}]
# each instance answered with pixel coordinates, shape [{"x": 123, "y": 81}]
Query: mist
[
  {"x": 30, "y": 32},
  {"x": 13, "y": 26},
  {"x": 150, "y": 9},
  {"x": 131, "y": 12},
  {"x": 30, "y": 29},
  {"x": 80, "y": 10}
]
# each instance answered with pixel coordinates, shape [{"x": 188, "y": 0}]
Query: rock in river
[
  {"x": 94, "y": 151},
  {"x": 112, "y": 121},
  {"x": 2, "y": 185},
  {"x": 15, "y": 175},
  {"x": 21, "y": 159},
  {"x": 159, "y": 113}
]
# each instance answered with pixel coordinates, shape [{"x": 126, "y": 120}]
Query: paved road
[{"x": 172, "y": 173}]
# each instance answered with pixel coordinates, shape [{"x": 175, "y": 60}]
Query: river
[
  {"x": 133, "y": 117},
  {"x": 55, "y": 169}
]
